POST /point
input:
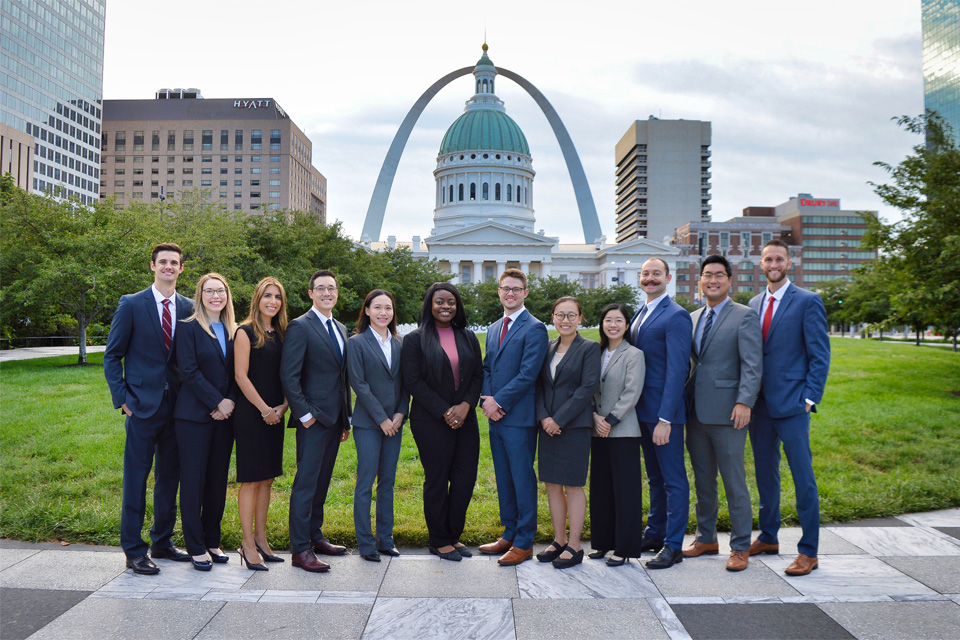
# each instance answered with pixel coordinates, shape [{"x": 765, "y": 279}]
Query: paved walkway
[
  {"x": 888, "y": 578},
  {"x": 28, "y": 353}
]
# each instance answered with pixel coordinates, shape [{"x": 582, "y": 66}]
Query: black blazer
[
  {"x": 428, "y": 377},
  {"x": 568, "y": 397},
  {"x": 206, "y": 373}
]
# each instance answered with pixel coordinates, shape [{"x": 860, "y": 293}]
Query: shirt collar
[
  {"x": 159, "y": 297},
  {"x": 377, "y": 335},
  {"x": 320, "y": 315},
  {"x": 782, "y": 291},
  {"x": 653, "y": 303},
  {"x": 516, "y": 314},
  {"x": 719, "y": 307}
]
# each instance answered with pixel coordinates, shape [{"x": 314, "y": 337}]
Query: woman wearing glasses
[
  {"x": 202, "y": 417},
  {"x": 565, "y": 390}
]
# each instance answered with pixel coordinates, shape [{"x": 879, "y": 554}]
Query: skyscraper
[
  {"x": 52, "y": 78},
  {"x": 941, "y": 60},
  {"x": 663, "y": 177}
]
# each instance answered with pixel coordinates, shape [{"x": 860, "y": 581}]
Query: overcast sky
[{"x": 800, "y": 94}]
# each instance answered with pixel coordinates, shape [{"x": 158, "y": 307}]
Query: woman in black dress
[{"x": 258, "y": 418}]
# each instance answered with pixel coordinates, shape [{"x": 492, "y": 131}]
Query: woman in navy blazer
[
  {"x": 373, "y": 368},
  {"x": 204, "y": 349}
]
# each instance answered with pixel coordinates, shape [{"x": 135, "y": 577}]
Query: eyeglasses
[
  {"x": 324, "y": 289},
  {"x": 513, "y": 290},
  {"x": 713, "y": 276},
  {"x": 571, "y": 316},
  {"x": 218, "y": 293}
]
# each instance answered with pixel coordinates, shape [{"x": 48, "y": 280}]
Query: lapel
[
  {"x": 577, "y": 341},
  {"x": 661, "y": 306},
  {"x": 781, "y": 309},
  {"x": 375, "y": 346},
  {"x": 320, "y": 327},
  {"x": 216, "y": 342},
  {"x": 515, "y": 327},
  {"x": 150, "y": 306},
  {"x": 716, "y": 324},
  {"x": 617, "y": 354},
  {"x": 394, "y": 357}
]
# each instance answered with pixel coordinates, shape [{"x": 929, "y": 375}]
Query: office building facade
[
  {"x": 51, "y": 70},
  {"x": 663, "y": 177},
  {"x": 941, "y": 60},
  {"x": 16, "y": 156},
  {"x": 244, "y": 153}
]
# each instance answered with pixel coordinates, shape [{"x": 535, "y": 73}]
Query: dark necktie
[
  {"x": 768, "y": 318},
  {"x": 336, "y": 343},
  {"x": 636, "y": 330},
  {"x": 506, "y": 327},
  {"x": 706, "y": 329},
  {"x": 166, "y": 321}
]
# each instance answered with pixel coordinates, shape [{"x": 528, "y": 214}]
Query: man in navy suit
[
  {"x": 515, "y": 348},
  {"x": 796, "y": 358},
  {"x": 142, "y": 377},
  {"x": 662, "y": 329}
]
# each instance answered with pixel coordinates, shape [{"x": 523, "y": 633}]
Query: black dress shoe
[
  {"x": 219, "y": 558},
  {"x": 392, "y": 552},
  {"x": 326, "y": 548},
  {"x": 371, "y": 557},
  {"x": 201, "y": 565},
  {"x": 251, "y": 565},
  {"x": 143, "y": 565},
  {"x": 268, "y": 557},
  {"x": 550, "y": 553},
  {"x": 597, "y": 554},
  {"x": 170, "y": 553},
  {"x": 614, "y": 561},
  {"x": 650, "y": 544},
  {"x": 447, "y": 555},
  {"x": 666, "y": 558},
  {"x": 566, "y": 563}
]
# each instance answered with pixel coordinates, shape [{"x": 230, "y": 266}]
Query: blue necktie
[
  {"x": 636, "y": 332},
  {"x": 336, "y": 343},
  {"x": 706, "y": 329}
]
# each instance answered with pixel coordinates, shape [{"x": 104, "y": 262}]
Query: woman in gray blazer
[
  {"x": 616, "y": 485},
  {"x": 373, "y": 368},
  {"x": 565, "y": 390}
]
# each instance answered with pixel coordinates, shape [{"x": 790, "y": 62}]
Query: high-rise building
[
  {"x": 663, "y": 177},
  {"x": 51, "y": 70},
  {"x": 941, "y": 60},
  {"x": 247, "y": 153}
]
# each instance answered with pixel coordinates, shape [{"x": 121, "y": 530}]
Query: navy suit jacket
[
  {"x": 206, "y": 373},
  {"x": 665, "y": 339},
  {"x": 136, "y": 339},
  {"x": 796, "y": 354},
  {"x": 510, "y": 369}
]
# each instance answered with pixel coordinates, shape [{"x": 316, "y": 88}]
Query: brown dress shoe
[
  {"x": 496, "y": 548},
  {"x": 308, "y": 561},
  {"x": 762, "y": 547},
  {"x": 801, "y": 566},
  {"x": 326, "y": 548},
  {"x": 515, "y": 556},
  {"x": 698, "y": 549},
  {"x": 738, "y": 560}
]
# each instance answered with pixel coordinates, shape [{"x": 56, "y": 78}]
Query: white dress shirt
[
  {"x": 159, "y": 298},
  {"x": 386, "y": 345}
]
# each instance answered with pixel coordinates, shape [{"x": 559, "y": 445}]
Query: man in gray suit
[
  {"x": 314, "y": 378},
  {"x": 725, "y": 372}
]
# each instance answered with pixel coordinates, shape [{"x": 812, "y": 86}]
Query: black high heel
[
  {"x": 617, "y": 562},
  {"x": 253, "y": 567},
  {"x": 267, "y": 556},
  {"x": 597, "y": 554}
]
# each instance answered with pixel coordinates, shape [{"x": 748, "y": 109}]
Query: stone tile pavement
[{"x": 885, "y": 578}]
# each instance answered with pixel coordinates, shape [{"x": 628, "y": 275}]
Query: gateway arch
[{"x": 373, "y": 223}]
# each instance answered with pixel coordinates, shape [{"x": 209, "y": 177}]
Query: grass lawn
[{"x": 887, "y": 441}]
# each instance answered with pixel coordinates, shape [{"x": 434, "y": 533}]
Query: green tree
[
  {"x": 834, "y": 294},
  {"x": 868, "y": 300},
  {"x": 922, "y": 251},
  {"x": 743, "y": 297}
]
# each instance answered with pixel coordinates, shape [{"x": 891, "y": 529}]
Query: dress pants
[
  {"x": 669, "y": 487},
  {"x": 712, "y": 448},
  {"x": 513, "y": 450},
  {"x": 317, "y": 449},
  {"x": 616, "y": 496},
  {"x": 449, "y": 458},
  {"x": 148, "y": 439},
  {"x": 205, "y": 449},
  {"x": 377, "y": 456},
  {"x": 766, "y": 434}
]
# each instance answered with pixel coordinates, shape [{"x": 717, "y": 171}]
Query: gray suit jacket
[
  {"x": 620, "y": 386},
  {"x": 728, "y": 369},
  {"x": 313, "y": 380},
  {"x": 567, "y": 396},
  {"x": 377, "y": 386}
]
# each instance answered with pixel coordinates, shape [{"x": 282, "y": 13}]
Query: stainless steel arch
[{"x": 373, "y": 223}]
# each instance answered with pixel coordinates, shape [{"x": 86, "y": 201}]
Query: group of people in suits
[{"x": 191, "y": 382}]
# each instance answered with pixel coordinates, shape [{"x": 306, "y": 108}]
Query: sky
[{"x": 801, "y": 95}]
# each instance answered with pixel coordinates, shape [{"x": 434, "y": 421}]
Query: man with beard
[
  {"x": 796, "y": 358},
  {"x": 662, "y": 329}
]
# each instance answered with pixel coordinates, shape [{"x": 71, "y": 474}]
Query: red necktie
[
  {"x": 167, "y": 322},
  {"x": 506, "y": 327},
  {"x": 768, "y": 317}
]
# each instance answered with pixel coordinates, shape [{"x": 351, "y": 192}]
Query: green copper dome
[{"x": 484, "y": 130}]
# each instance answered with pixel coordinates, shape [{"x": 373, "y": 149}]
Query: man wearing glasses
[
  {"x": 314, "y": 379},
  {"x": 515, "y": 349}
]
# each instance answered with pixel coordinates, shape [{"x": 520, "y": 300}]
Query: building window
[
  {"x": 188, "y": 171},
  {"x": 238, "y": 183},
  {"x": 683, "y": 276},
  {"x": 724, "y": 240},
  {"x": 451, "y": 193},
  {"x": 120, "y": 141},
  {"x": 223, "y": 183},
  {"x": 238, "y": 140},
  {"x": 188, "y": 140},
  {"x": 745, "y": 241},
  {"x": 683, "y": 288},
  {"x": 255, "y": 170},
  {"x": 119, "y": 183},
  {"x": 224, "y": 141},
  {"x": 238, "y": 170},
  {"x": 466, "y": 272},
  {"x": 745, "y": 277},
  {"x": 138, "y": 140},
  {"x": 275, "y": 139},
  {"x": 205, "y": 183},
  {"x": 274, "y": 183},
  {"x": 255, "y": 158},
  {"x": 496, "y": 191},
  {"x": 473, "y": 190},
  {"x": 509, "y": 193},
  {"x": 237, "y": 194},
  {"x": 704, "y": 240},
  {"x": 274, "y": 158},
  {"x": 486, "y": 191},
  {"x": 187, "y": 183},
  {"x": 274, "y": 194},
  {"x": 223, "y": 171},
  {"x": 254, "y": 194},
  {"x": 276, "y": 171},
  {"x": 256, "y": 139},
  {"x": 589, "y": 280},
  {"x": 460, "y": 192},
  {"x": 206, "y": 170},
  {"x": 206, "y": 140},
  {"x": 119, "y": 172},
  {"x": 767, "y": 237},
  {"x": 745, "y": 265},
  {"x": 254, "y": 183}
]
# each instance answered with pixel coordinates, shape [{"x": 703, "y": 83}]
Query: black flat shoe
[
  {"x": 268, "y": 557},
  {"x": 550, "y": 553},
  {"x": 613, "y": 561},
  {"x": 598, "y": 554},
  {"x": 449, "y": 555},
  {"x": 665, "y": 558},
  {"x": 218, "y": 558},
  {"x": 371, "y": 557},
  {"x": 566, "y": 563},
  {"x": 143, "y": 565},
  {"x": 392, "y": 552},
  {"x": 251, "y": 566},
  {"x": 201, "y": 565},
  {"x": 170, "y": 553},
  {"x": 463, "y": 551}
]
